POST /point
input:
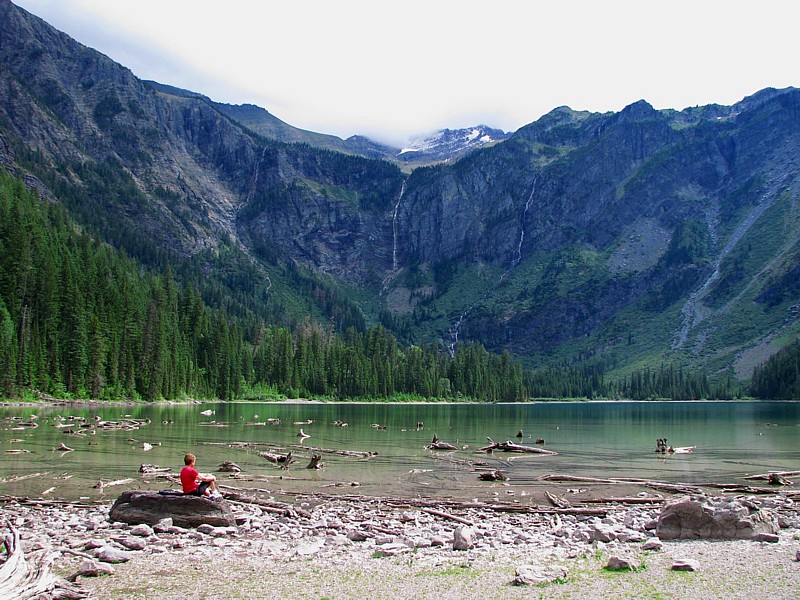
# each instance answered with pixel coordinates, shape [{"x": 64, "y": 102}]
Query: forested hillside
[
  {"x": 193, "y": 251},
  {"x": 79, "y": 319}
]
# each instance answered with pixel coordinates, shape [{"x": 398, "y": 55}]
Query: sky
[{"x": 393, "y": 70}]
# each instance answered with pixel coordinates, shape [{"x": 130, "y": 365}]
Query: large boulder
[
  {"x": 690, "y": 518},
  {"x": 140, "y": 506}
]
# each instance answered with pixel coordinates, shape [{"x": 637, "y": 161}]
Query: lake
[{"x": 594, "y": 439}]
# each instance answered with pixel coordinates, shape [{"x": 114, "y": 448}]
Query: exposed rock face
[
  {"x": 137, "y": 506},
  {"x": 563, "y": 208},
  {"x": 690, "y": 518}
]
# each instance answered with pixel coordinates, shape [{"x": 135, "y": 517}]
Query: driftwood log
[
  {"x": 773, "y": 475},
  {"x": 494, "y": 475},
  {"x": 140, "y": 506},
  {"x": 353, "y": 453},
  {"x": 23, "y": 580},
  {"x": 148, "y": 469},
  {"x": 229, "y": 466},
  {"x": 557, "y": 501},
  {"x": 677, "y": 488},
  {"x": 510, "y": 446},
  {"x": 278, "y": 459},
  {"x": 315, "y": 462},
  {"x": 437, "y": 444},
  {"x": 271, "y": 506}
]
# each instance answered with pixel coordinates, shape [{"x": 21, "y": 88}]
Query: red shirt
[{"x": 189, "y": 479}]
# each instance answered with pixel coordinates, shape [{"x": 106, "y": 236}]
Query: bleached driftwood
[
  {"x": 28, "y": 580},
  {"x": 510, "y": 446}
]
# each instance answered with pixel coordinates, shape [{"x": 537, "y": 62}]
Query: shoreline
[
  {"x": 361, "y": 547},
  {"x": 8, "y": 403}
]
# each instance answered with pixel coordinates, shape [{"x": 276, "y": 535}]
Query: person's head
[{"x": 189, "y": 458}]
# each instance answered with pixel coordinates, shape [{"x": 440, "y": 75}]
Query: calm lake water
[{"x": 614, "y": 439}]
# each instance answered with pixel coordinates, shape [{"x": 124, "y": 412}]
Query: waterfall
[
  {"x": 250, "y": 193},
  {"x": 518, "y": 258},
  {"x": 454, "y": 331},
  {"x": 394, "y": 225}
]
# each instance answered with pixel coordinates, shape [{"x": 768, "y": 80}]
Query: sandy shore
[{"x": 351, "y": 547}]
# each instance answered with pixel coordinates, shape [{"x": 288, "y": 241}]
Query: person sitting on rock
[{"x": 197, "y": 484}]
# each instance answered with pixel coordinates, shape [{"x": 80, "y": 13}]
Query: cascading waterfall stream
[
  {"x": 394, "y": 225},
  {"x": 250, "y": 193},
  {"x": 453, "y": 333},
  {"x": 518, "y": 259},
  {"x": 395, "y": 212}
]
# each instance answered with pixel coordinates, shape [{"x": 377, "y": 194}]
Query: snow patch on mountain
[{"x": 451, "y": 142}]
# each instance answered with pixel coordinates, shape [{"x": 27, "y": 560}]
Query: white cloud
[{"x": 392, "y": 69}]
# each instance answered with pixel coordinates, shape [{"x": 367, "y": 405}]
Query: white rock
[
  {"x": 538, "y": 574},
  {"x": 132, "y": 543},
  {"x": 686, "y": 564},
  {"x": 109, "y": 554},
  {"x": 142, "y": 529},
  {"x": 357, "y": 536},
  {"x": 463, "y": 538},
  {"x": 653, "y": 544},
  {"x": 163, "y": 526},
  {"x": 308, "y": 549},
  {"x": 623, "y": 562}
]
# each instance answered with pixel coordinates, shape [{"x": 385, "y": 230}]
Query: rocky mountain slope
[{"x": 622, "y": 239}]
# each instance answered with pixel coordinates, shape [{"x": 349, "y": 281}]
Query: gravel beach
[{"x": 351, "y": 547}]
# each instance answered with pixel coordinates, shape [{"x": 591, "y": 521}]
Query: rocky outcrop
[
  {"x": 536, "y": 223},
  {"x": 138, "y": 506},
  {"x": 691, "y": 518}
]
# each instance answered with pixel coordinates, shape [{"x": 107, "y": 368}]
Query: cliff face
[{"x": 640, "y": 233}]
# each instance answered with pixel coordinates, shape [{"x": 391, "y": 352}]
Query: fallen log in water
[
  {"x": 494, "y": 475},
  {"x": 625, "y": 500},
  {"x": 229, "y": 466},
  {"x": 353, "y": 453},
  {"x": 440, "y": 446},
  {"x": 315, "y": 462},
  {"x": 148, "y": 469},
  {"x": 679, "y": 488},
  {"x": 775, "y": 478},
  {"x": 437, "y": 444},
  {"x": 278, "y": 459},
  {"x": 23, "y": 580},
  {"x": 510, "y": 446}
]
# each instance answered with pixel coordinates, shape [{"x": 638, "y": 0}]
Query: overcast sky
[{"x": 393, "y": 69}]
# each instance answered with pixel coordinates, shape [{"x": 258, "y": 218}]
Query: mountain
[
  {"x": 447, "y": 144},
  {"x": 615, "y": 241},
  {"x": 440, "y": 146}
]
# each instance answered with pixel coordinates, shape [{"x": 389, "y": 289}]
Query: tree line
[
  {"x": 78, "y": 318},
  {"x": 81, "y": 319},
  {"x": 779, "y": 377}
]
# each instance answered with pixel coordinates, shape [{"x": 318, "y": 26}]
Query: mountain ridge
[{"x": 621, "y": 239}]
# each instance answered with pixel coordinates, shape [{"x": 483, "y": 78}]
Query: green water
[{"x": 592, "y": 439}]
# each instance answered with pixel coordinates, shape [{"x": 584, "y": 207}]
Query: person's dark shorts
[{"x": 201, "y": 489}]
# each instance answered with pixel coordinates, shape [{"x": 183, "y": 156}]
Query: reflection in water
[{"x": 592, "y": 439}]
